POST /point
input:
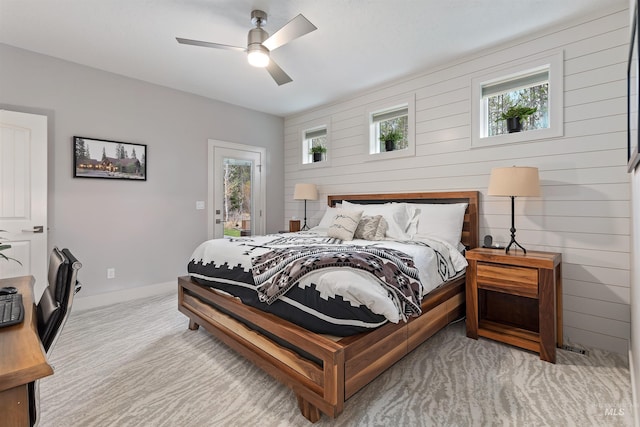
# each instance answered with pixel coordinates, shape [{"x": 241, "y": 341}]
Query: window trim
[
  {"x": 554, "y": 63},
  {"x": 408, "y": 102}
]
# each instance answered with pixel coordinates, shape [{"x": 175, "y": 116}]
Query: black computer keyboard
[{"x": 11, "y": 309}]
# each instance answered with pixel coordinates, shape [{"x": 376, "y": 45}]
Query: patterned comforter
[{"x": 323, "y": 284}]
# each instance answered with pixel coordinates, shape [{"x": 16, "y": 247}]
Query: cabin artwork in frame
[{"x": 99, "y": 158}]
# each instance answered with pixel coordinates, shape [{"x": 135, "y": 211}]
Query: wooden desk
[{"x": 22, "y": 358}]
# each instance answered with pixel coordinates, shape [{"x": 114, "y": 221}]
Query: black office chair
[
  {"x": 53, "y": 309},
  {"x": 55, "y": 303}
]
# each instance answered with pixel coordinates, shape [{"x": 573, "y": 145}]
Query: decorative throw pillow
[
  {"x": 367, "y": 228},
  {"x": 344, "y": 224},
  {"x": 381, "y": 231}
]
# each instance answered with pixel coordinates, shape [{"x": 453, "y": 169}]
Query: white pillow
[
  {"x": 394, "y": 213},
  {"x": 412, "y": 218},
  {"x": 442, "y": 221},
  {"x": 344, "y": 224},
  {"x": 327, "y": 218}
]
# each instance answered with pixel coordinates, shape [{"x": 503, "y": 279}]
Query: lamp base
[
  {"x": 305, "y": 226},
  {"x": 513, "y": 230},
  {"x": 513, "y": 242}
]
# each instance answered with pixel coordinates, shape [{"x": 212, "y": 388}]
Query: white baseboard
[{"x": 101, "y": 300}]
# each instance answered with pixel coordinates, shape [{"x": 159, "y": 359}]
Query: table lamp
[
  {"x": 305, "y": 192},
  {"x": 514, "y": 181}
]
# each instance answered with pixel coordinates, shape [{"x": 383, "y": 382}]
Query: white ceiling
[{"x": 358, "y": 44}]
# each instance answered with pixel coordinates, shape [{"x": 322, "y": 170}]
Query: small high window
[
  {"x": 533, "y": 89},
  {"x": 314, "y": 145},
  {"x": 390, "y": 130},
  {"x": 528, "y": 91}
]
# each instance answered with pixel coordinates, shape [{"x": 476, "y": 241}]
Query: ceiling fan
[{"x": 259, "y": 44}]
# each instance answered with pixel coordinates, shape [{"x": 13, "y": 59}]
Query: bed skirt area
[{"x": 322, "y": 373}]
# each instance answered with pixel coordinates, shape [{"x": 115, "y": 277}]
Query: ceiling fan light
[{"x": 258, "y": 56}]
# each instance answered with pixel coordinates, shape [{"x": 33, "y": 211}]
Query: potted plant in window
[
  {"x": 516, "y": 116},
  {"x": 4, "y": 246},
  {"x": 390, "y": 137},
  {"x": 318, "y": 151}
]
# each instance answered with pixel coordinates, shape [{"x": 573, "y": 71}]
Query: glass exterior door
[
  {"x": 235, "y": 190},
  {"x": 237, "y": 195}
]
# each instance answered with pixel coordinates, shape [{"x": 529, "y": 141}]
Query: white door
[
  {"x": 23, "y": 195},
  {"x": 236, "y": 190}
]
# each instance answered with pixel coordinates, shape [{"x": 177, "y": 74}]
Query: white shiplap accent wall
[{"x": 584, "y": 211}]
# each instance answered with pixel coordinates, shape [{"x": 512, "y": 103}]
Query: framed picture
[
  {"x": 99, "y": 158},
  {"x": 633, "y": 103}
]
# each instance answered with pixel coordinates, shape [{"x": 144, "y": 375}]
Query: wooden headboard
[{"x": 470, "y": 228}]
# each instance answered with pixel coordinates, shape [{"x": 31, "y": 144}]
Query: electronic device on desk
[
  {"x": 488, "y": 243},
  {"x": 11, "y": 308}
]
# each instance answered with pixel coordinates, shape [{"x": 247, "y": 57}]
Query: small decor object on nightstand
[{"x": 511, "y": 182}]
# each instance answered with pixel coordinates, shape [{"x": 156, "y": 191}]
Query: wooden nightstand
[{"x": 516, "y": 298}]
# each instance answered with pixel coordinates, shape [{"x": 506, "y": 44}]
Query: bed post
[{"x": 308, "y": 411}]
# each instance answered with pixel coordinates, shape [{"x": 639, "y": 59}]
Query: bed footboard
[{"x": 329, "y": 372}]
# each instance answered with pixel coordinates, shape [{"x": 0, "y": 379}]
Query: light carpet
[{"x": 137, "y": 364}]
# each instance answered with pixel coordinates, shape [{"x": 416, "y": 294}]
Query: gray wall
[{"x": 145, "y": 230}]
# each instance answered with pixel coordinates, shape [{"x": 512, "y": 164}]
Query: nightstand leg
[
  {"x": 547, "y": 314},
  {"x": 472, "y": 300}
]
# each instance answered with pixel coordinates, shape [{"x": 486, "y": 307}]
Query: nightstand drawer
[{"x": 508, "y": 279}]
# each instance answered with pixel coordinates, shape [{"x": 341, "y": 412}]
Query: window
[
  {"x": 391, "y": 129},
  {"x": 536, "y": 84},
  {"x": 530, "y": 91},
  {"x": 393, "y": 123},
  {"x": 314, "y": 145}
]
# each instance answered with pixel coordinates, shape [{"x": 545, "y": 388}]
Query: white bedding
[{"x": 436, "y": 260}]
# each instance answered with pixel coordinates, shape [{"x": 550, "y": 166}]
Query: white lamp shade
[
  {"x": 514, "y": 181},
  {"x": 305, "y": 192}
]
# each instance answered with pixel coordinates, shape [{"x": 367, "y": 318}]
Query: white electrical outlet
[
  {"x": 200, "y": 205},
  {"x": 111, "y": 273}
]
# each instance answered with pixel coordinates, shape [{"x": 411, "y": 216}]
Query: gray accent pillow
[
  {"x": 344, "y": 224},
  {"x": 368, "y": 228},
  {"x": 381, "y": 231}
]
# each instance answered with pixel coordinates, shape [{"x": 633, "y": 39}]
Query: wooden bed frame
[{"x": 346, "y": 365}]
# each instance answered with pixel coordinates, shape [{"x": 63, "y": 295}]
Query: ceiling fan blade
[
  {"x": 297, "y": 27},
  {"x": 278, "y": 75},
  {"x": 209, "y": 44}
]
